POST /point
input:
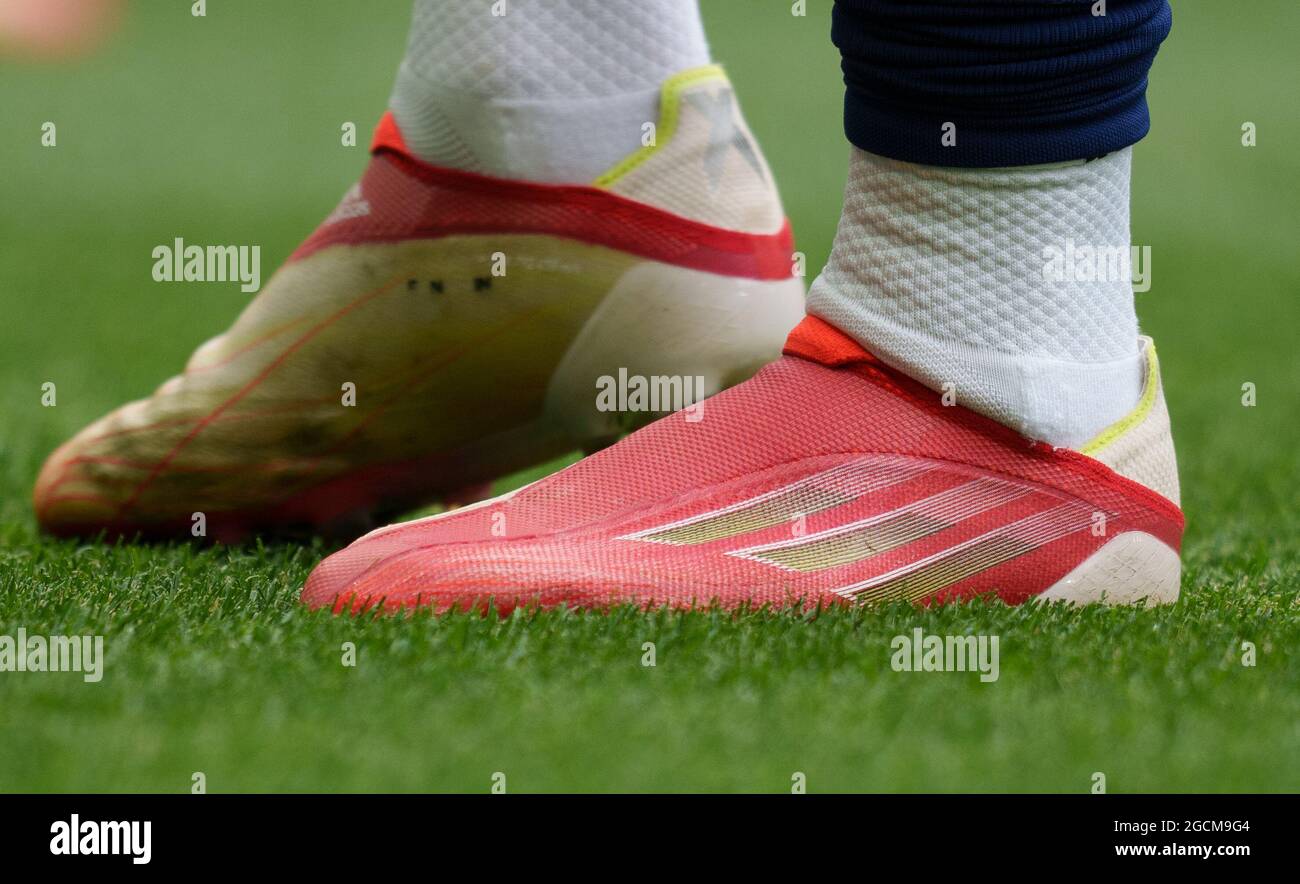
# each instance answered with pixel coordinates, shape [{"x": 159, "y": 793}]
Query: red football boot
[{"x": 827, "y": 478}]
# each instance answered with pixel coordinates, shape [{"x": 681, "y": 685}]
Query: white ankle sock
[
  {"x": 941, "y": 273},
  {"x": 551, "y": 90}
]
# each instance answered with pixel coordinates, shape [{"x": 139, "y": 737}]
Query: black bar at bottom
[{"x": 377, "y": 832}]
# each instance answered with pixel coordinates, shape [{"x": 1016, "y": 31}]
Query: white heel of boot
[
  {"x": 1133, "y": 568},
  {"x": 663, "y": 321}
]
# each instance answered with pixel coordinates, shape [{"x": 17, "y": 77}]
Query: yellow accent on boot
[
  {"x": 1139, "y": 412},
  {"x": 1140, "y": 446},
  {"x": 704, "y": 163},
  {"x": 670, "y": 103}
]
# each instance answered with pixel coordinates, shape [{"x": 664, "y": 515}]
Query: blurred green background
[{"x": 226, "y": 129}]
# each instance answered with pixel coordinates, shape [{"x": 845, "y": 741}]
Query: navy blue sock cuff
[{"x": 1020, "y": 83}]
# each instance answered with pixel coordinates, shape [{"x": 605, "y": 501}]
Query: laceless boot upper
[{"x": 826, "y": 478}]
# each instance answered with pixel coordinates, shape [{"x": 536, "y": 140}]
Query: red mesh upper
[
  {"x": 810, "y": 434},
  {"x": 403, "y": 198}
]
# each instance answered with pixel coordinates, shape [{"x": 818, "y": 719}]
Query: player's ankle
[
  {"x": 995, "y": 286},
  {"x": 551, "y": 93}
]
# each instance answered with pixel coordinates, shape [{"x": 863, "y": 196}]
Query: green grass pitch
[{"x": 225, "y": 129}]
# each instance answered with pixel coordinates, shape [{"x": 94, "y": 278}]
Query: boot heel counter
[
  {"x": 702, "y": 161},
  {"x": 1155, "y": 463},
  {"x": 1141, "y": 446}
]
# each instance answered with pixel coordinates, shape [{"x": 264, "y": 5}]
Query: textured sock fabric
[
  {"x": 1020, "y": 83},
  {"x": 948, "y": 275},
  {"x": 551, "y": 90}
]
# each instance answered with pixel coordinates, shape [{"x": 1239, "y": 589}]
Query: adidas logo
[{"x": 1015, "y": 518}]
